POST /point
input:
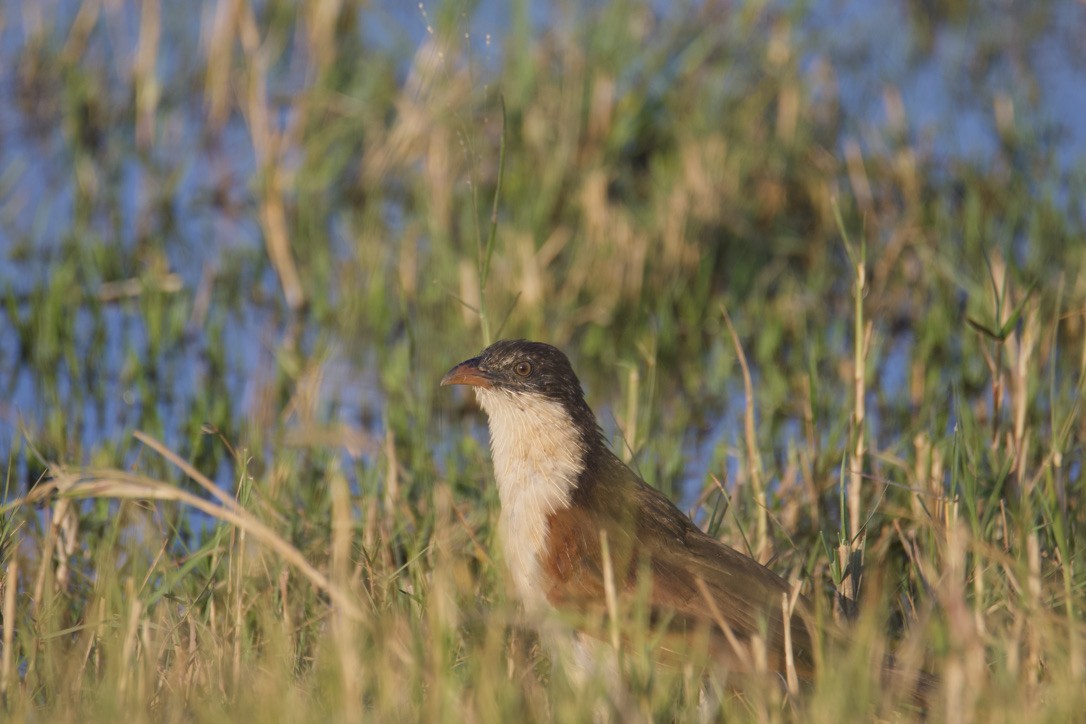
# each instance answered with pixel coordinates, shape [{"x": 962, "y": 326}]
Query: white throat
[{"x": 538, "y": 455}]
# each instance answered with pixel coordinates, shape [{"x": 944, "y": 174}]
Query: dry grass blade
[
  {"x": 199, "y": 478},
  {"x": 741, "y": 652},
  {"x": 754, "y": 458},
  {"x": 11, "y": 585},
  {"x": 123, "y": 485},
  {"x": 788, "y": 608}
]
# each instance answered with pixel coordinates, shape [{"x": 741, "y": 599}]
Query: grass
[{"x": 241, "y": 249}]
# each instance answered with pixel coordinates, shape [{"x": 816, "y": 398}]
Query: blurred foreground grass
[{"x": 261, "y": 235}]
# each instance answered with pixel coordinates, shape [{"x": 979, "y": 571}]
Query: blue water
[{"x": 948, "y": 97}]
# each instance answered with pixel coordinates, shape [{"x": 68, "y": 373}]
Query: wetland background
[{"x": 241, "y": 241}]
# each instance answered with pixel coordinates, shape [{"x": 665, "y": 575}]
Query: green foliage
[{"x": 609, "y": 186}]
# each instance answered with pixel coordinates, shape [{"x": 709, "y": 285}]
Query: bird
[{"x": 577, "y": 525}]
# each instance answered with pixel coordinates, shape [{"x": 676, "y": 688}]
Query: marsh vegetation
[{"x": 819, "y": 265}]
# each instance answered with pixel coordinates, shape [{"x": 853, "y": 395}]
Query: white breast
[{"x": 538, "y": 455}]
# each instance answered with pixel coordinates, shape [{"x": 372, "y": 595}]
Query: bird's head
[
  {"x": 517, "y": 365},
  {"x": 530, "y": 376}
]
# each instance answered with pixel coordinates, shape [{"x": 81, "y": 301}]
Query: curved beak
[{"x": 467, "y": 373}]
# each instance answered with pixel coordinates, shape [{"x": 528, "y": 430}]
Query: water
[{"x": 197, "y": 195}]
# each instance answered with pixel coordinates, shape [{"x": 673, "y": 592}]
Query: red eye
[{"x": 523, "y": 368}]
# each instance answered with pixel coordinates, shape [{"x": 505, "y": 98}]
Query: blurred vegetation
[{"x": 259, "y": 234}]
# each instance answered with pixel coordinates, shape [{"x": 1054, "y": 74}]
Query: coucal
[{"x": 563, "y": 492}]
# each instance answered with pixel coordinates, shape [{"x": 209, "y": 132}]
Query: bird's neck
[{"x": 539, "y": 455}]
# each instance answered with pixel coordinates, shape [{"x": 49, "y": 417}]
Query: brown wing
[{"x": 647, "y": 533}]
